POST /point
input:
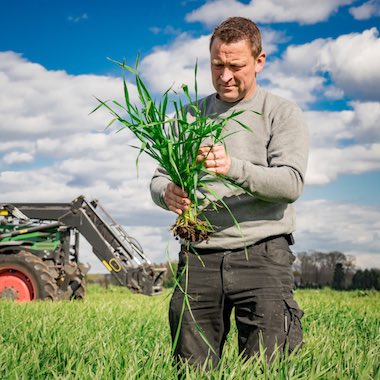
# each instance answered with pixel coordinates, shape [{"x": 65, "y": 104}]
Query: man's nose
[{"x": 226, "y": 75}]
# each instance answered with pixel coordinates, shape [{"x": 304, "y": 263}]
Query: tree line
[{"x": 333, "y": 269}]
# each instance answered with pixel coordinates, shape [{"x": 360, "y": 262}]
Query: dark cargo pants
[{"x": 257, "y": 282}]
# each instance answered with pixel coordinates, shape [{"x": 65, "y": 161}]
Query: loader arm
[{"x": 119, "y": 253}]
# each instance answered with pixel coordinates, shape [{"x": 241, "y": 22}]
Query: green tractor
[{"x": 39, "y": 251}]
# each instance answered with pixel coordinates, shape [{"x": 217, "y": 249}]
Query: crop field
[{"x": 114, "y": 334}]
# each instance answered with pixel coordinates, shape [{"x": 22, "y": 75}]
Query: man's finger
[{"x": 172, "y": 188}]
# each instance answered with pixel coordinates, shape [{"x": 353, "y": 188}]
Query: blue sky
[{"x": 322, "y": 54}]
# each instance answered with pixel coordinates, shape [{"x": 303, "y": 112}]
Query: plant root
[{"x": 192, "y": 231}]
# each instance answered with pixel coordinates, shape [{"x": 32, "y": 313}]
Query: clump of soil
[{"x": 192, "y": 231}]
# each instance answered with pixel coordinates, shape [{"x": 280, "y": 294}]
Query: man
[{"x": 246, "y": 268}]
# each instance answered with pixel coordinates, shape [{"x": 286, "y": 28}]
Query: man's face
[{"x": 234, "y": 69}]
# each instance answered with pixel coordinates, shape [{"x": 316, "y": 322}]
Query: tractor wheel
[
  {"x": 80, "y": 293},
  {"x": 25, "y": 277}
]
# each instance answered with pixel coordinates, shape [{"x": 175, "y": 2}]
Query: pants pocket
[
  {"x": 293, "y": 327},
  {"x": 278, "y": 252}
]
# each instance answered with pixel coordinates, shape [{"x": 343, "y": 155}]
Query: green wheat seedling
[{"x": 173, "y": 142}]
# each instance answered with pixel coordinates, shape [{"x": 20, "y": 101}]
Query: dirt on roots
[{"x": 192, "y": 231}]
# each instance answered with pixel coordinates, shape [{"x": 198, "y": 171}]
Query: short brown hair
[{"x": 235, "y": 29}]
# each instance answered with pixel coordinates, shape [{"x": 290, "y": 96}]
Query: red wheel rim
[{"x": 16, "y": 285}]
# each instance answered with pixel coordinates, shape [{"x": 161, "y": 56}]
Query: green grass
[{"x": 114, "y": 334}]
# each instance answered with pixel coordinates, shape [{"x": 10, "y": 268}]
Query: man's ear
[{"x": 260, "y": 61}]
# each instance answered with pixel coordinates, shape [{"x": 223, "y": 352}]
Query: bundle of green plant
[{"x": 173, "y": 142}]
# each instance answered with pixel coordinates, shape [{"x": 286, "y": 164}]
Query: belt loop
[{"x": 290, "y": 239}]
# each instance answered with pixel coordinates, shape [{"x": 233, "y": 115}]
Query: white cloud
[
  {"x": 354, "y": 75},
  {"x": 76, "y": 19},
  {"x": 17, "y": 158},
  {"x": 329, "y": 128},
  {"x": 343, "y": 142},
  {"x": 83, "y": 144},
  {"x": 366, "y": 122},
  {"x": 357, "y": 74},
  {"x": 267, "y": 11},
  {"x": 360, "y": 125},
  {"x": 174, "y": 65},
  {"x": 302, "y": 89},
  {"x": 367, "y": 10},
  {"x": 168, "y": 29},
  {"x": 325, "y": 164},
  {"x": 365, "y": 260},
  {"x": 39, "y": 102},
  {"x": 16, "y": 144},
  {"x": 330, "y": 226}
]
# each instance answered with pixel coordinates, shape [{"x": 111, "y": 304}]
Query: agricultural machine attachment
[{"x": 39, "y": 251}]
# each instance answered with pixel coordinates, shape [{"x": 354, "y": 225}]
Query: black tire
[
  {"x": 30, "y": 274},
  {"x": 80, "y": 293}
]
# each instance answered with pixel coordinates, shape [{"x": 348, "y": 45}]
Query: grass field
[{"x": 114, "y": 334}]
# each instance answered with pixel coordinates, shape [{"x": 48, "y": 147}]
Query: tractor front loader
[{"x": 39, "y": 251}]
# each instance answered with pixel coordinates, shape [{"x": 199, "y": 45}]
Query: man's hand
[
  {"x": 176, "y": 199},
  {"x": 217, "y": 160}
]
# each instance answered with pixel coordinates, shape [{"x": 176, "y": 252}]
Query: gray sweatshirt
[{"x": 269, "y": 161}]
